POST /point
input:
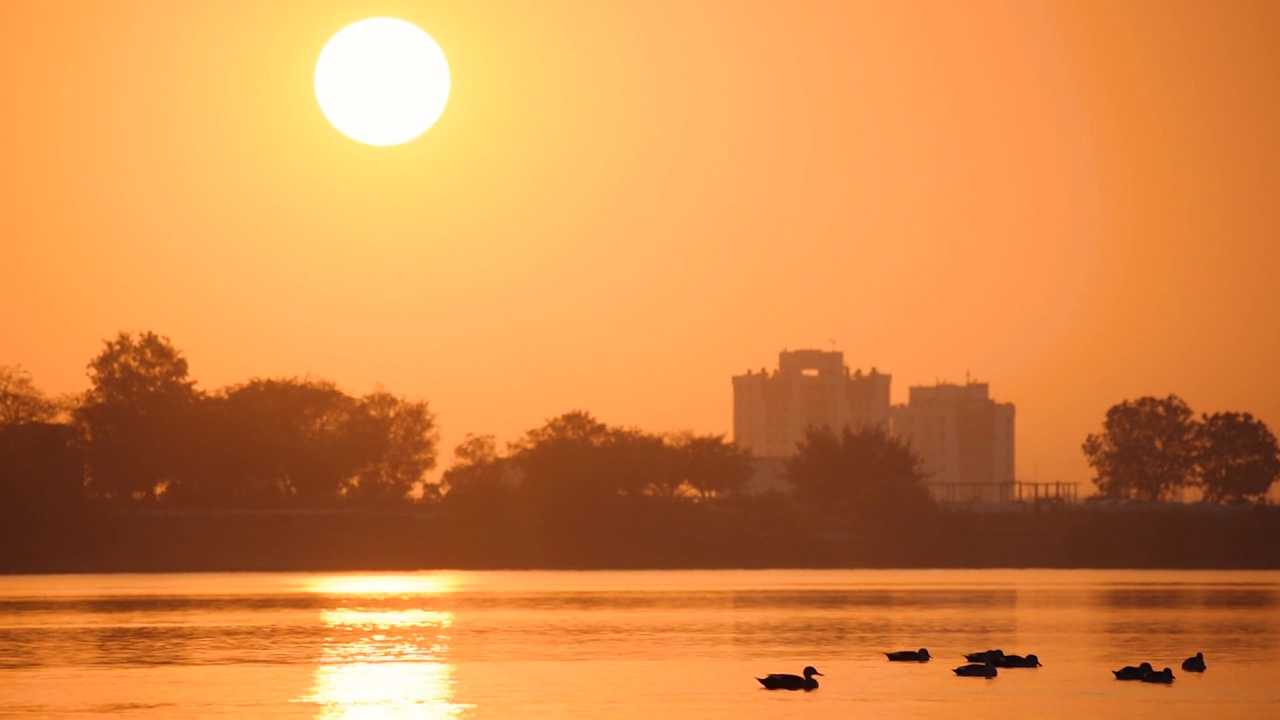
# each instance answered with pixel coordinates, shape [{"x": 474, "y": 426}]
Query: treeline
[
  {"x": 144, "y": 436},
  {"x": 576, "y": 492},
  {"x": 1152, "y": 449},
  {"x": 144, "y": 458}
]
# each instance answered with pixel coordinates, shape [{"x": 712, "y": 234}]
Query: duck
[
  {"x": 782, "y": 681},
  {"x": 980, "y": 657},
  {"x": 1129, "y": 672},
  {"x": 1017, "y": 661},
  {"x": 1164, "y": 676},
  {"x": 921, "y": 655},
  {"x": 985, "y": 670},
  {"x": 1194, "y": 664}
]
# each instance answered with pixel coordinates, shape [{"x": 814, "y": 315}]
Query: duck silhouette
[
  {"x": 981, "y": 657},
  {"x": 984, "y": 670},
  {"x": 782, "y": 681},
  {"x": 1129, "y": 672},
  {"x": 1017, "y": 661},
  {"x": 1194, "y": 664},
  {"x": 921, "y": 655},
  {"x": 1164, "y": 676}
]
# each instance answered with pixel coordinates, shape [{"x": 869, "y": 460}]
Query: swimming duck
[
  {"x": 921, "y": 655},
  {"x": 781, "y": 681},
  {"x": 985, "y": 670},
  {"x": 1194, "y": 664},
  {"x": 980, "y": 657},
  {"x": 1017, "y": 661},
  {"x": 1164, "y": 676},
  {"x": 1129, "y": 672}
]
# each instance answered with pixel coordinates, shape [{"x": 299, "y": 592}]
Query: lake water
[{"x": 621, "y": 645}]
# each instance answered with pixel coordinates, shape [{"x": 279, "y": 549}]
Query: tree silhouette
[
  {"x": 297, "y": 441},
  {"x": 132, "y": 419},
  {"x": 1239, "y": 458},
  {"x": 478, "y": 470},
  {"x": 570, "y": 460},
  {"x": 634, "y": 462},
  {"x": 708, "y": 465},
  {"x": 400, "y": 439},
  {"x": 21, "y": 401},
  {"x": 1147, "y": 449},
  {"x": 863, "y": 474}
]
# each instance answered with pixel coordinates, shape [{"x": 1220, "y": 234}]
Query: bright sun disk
[{"x": 382, "y": 81}]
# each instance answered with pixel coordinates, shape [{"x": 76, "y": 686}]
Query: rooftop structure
[{"x": 811, "y": 389}]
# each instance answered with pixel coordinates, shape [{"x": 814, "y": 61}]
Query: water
[{"x": 632, "y": 644}]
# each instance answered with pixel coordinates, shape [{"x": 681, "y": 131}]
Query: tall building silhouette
[
  {"x": 964, "y": 439},
  {"x": 772, "y": 411}
]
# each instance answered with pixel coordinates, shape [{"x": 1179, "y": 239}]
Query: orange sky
[{"x": 626, "y": 203}]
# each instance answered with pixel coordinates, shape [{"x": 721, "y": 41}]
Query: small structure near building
[{"x": 1019, "y": 492}]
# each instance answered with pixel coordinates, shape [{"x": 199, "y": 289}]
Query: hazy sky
[{"x": 626, "y": 203}]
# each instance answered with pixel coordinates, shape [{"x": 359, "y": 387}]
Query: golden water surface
[{"x": 683, "y": 644}]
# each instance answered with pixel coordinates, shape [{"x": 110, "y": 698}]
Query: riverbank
[{"x": 657, "y": 536}]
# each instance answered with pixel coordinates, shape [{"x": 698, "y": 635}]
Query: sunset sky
[{"x": 624, "y": 204}]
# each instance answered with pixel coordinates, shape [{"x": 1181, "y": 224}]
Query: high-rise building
[
  {"x": 964, "y": 438},
  {"x": 811, "y": 389}
]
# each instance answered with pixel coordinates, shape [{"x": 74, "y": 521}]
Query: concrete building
[
  {"x": 772, "y": 411},
  {"x": 965, "y": 440}
]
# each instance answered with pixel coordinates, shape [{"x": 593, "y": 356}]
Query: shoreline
[{"x": 675, "y": 538}]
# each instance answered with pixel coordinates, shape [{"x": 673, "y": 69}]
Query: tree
[
  {"x": 709, "y": 465},
  {"x": 21, "y": 402},
  {"x": 567, "y": 460},
  {"x": 865, "y": 474},
  {"x": 400, "y": 437},
  {"x": 145, "y": 367},
  {"x": 1147, "y": 449},
  {"x": 297, "y": 441},
  {"x": 134, "y": 419},
  {"x": 1239, "y": 458},
  {"x": 485, "y": 510},
  {"x": 304, "y": 442},
  {"x": 478, "y": 471},
  {"x": 636, "y": 463}
]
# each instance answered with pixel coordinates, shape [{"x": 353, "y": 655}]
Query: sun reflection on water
[
  {"x": 381, "y": 584},
  {"x": 380, "y": 664}
]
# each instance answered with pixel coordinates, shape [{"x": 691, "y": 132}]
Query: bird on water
[
  {"x": 1163, "y": 676},
  {"x": 921, "y": 655},
  {"x": 1017, "y": 661},
  {"x": 984, "y": 670},
  {"x": 1194, "y": 664},
  {"x": 1129, "y": 672},
  {"x": 782, "y": 681},
  {"x": 981, "y": 657}
]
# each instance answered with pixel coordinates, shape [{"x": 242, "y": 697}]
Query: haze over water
[{"x": 631, "y": 644}]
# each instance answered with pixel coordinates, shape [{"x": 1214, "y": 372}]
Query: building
[
  {"x": 811, "y": 389},
  {"x": 965, "y": 440}
]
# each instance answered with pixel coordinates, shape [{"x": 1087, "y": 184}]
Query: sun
[{"x": 382, "y": 81}]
